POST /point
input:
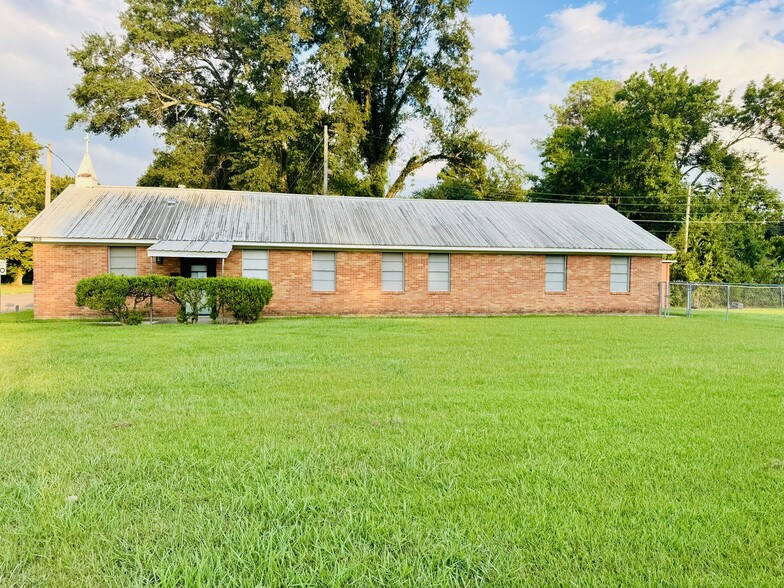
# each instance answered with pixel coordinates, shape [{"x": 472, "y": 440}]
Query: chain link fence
[{"x": 690, "y": 298}]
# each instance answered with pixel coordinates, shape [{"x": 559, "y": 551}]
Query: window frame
[
  {"x": 431, "y": 272},
  {"x": 548, "y": 273},
  {"x": 261, "y": 270},
  {"x": 319, "y": 257},
  {"x": 398, "y": 276},
  {"x": 627, "y": 274},
  {"x": 113, "y": 251}
]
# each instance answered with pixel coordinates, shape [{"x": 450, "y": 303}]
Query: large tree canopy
[
  {"x": 240, "y": 89},
  {"x": 217, "y": 79},
  {"x": 22, "y": 185},
  {"x": 644, "y": 144},
  {"x": 396, "y": 60}
]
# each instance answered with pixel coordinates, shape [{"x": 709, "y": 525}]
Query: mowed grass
[{"x": 515, "y": 451}]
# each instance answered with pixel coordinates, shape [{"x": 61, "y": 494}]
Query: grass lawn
[{"x": 580, "y": 451}]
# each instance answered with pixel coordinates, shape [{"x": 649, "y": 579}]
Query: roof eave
[{"x": 345, "y": 247}]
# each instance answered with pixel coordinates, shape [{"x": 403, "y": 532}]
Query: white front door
[{"x": 200, "y": 271}]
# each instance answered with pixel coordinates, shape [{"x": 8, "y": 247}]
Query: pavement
[{"x": 8, "y": 302}]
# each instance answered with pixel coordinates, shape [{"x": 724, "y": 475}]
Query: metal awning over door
[{"x": 198, "y": 249}]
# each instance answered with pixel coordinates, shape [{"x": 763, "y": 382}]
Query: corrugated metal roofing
[
  {"x": 212, "y": 249},
  {"x": 112, "y": 214}
]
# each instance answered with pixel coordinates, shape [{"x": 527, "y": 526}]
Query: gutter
[{"x": 343, "y": 247}]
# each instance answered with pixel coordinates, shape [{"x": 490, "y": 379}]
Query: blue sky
[
  {"x": 527, "y": 16},
  {"x": 527, "y": 53}
]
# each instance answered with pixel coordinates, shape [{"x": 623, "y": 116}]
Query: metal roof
[
  {"x": 113, "y": 214},
  {"x": 200, "y": 249}
]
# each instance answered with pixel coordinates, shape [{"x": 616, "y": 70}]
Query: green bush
[
  {"x": 109, "y": 293},
  {"x": 243, "y": 298},
  {"x": 193, "y": 296},
  {"x": 182, "y": 315},
  {"x": 134, "y": 318}
]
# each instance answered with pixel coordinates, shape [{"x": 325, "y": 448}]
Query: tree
[
  {"x": 400, "y": 60},
  {"x": 643, "y": 145},
  {"x": 240, "y": 90},
  {"x": 579, "y": 157},
  {"x": 731, "y": 236},
  {"x": 22, "y": 185},
  {"x": 217, "y": 79},
  {"x": 486, "y": 174}
]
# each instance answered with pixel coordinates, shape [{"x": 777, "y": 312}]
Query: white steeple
[{"x": 86, "y": 174}]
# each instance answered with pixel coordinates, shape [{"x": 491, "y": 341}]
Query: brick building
[{"x": 342, "y": 255}]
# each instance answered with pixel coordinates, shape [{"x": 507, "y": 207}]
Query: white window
[
  {"x": 619, "y": 274},
  {"x": 438, "y": 272},
  {"x": 555, "y": 273},
  {"x": 323, "y": 274},
  {"x": 122, "y": 261},
  {"x": 392, "y": 272},
  {"x": 255, "y": 263}
]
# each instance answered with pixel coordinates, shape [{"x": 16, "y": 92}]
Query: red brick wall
[
  {"x": 232, "y": 265},
  {"x": 170, "y": 265},
  {"x": 481, "y": 283},
  {"x": 57, "y": 269}
]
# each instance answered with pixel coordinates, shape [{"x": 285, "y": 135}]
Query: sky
[{"x": 527, "y": 53}]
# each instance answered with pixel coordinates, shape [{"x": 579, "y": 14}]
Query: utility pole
[
  {"x": 326, "y": 159},
  {"x": 48, "y": 197},
  {"x": 686, "y": 231}
]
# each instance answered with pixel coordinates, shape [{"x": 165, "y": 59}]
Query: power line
[
  {"x": 61, "y": 159},
  {"x": 583, "y": 198},
  {"x": 601, "y": 199},
  {"x": 639, "y": 200},
  {"x": 294, "y": 181},
  {"x": 570, "y": 198},
  {"x": 716, "y": 222}
]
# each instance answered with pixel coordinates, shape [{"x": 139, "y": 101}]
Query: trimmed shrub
[
  {"x": 193, "y": 294},
  {"x": 134, "y": 318},
  {"x": 244, "y": 298},
  {"x": 159, "y": 286},
  {"x": 119, "y": 296},
  {"x": 181, "y": 316},
  {"x": 109, "y": 293}
]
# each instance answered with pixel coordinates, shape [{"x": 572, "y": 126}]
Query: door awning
[{"x": 207, "y": 249}]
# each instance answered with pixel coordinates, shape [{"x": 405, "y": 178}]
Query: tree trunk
[
  {"x": 284, "y": 169},
  {"x": 412, "y": 165},
  {"x": 378, "y": 178}
]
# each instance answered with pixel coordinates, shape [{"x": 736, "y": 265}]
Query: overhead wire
[
  {"x": 620, "y": 207},
  {"x": 60, "y": 158},
  {"x": 294, "y": 181}
]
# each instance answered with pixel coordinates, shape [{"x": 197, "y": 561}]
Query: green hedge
[
  {"x": 243, "y": 298},
  {"x": 120, "y": 296}
]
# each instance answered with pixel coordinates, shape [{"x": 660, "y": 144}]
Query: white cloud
[
  {"x": 492, "y": 32},
  {"x": 494, "y": 56},
  {"x": 735, "y": 45},
  {"x": 36, "y": 74},
  {"x": 732, "y": 41},
  {"x": 579, "y": 38},
  {"x": 694, "y": 15}
]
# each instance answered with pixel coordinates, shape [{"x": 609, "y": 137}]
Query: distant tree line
[{"x": 642, "y": 146}]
